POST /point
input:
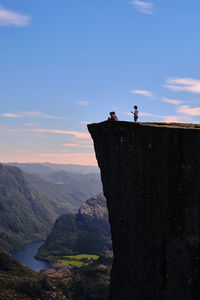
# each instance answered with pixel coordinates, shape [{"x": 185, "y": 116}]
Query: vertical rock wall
[{"x": 151, "y": 180}]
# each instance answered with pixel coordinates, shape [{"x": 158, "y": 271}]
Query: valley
[
  {"x": 30, "y": 204},
  {"x": 68, "y": 211}
]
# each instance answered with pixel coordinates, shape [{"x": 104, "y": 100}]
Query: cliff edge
[{"x": 151, "y": 180}]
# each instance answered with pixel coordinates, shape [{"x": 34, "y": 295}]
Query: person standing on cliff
[{"x": 135, "y": 113}]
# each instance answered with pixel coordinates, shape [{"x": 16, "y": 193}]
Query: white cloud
[
  {"x": 76, "y": 134},
  {"x": 83, "y": 103},
  {"x": 176, "y": 119},
  {"x": 143, "y": 114},
  {"x": 78, "y": 145},
  {"x": 187, "y": 110},
  {"x": 146, "y": 114},
  {"x": 70, "y": 145},
  {"x": 183, "y": 84},
  {"x": 142, "y": 93},
  {"x": 10, "y": 18},
  {"x": 10, "y": 115},
  {"x": 143, "y": 7},
  {"x": 33, "y": 114},
  {"x": 172, "y": 101}
]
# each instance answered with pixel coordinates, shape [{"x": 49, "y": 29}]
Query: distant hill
[
  {"x": 86, "y": 232},
  {"x": 47, "y": 168},
  {"x": 25, "y": 214},
  {"x": 68, "y": 189},
  {"x": 19, "y": 282}
]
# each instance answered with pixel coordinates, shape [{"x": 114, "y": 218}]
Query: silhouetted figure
[
  {"x": 135, "y": 113},
  {"x": 113, "y": 116}
]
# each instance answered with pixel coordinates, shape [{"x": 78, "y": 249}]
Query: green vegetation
[
  {"x": 78, "y": 260},
  {"x": 83, "y": 257},
  {"x": 75, "y": 263}
]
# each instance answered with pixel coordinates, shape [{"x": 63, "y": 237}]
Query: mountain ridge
[{"x": 25, "y": 214}]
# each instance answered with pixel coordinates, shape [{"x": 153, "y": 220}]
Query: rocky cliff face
[{"x": 151, "y": 179}]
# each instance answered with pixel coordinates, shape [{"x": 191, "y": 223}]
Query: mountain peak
[{"x": 95, "y": 207}]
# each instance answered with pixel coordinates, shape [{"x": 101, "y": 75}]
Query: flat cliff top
[{"x": 150, "y": 124}]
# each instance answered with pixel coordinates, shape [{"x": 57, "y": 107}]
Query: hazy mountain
[
  {"x": 68, "y": 189},
  {"x": 86, "y": 232},
  {"x": 25, "y": 214},
  {"x": 47, "y": 168}
]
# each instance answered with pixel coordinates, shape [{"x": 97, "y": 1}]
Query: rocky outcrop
[
  {"x": 87, "y": 232},
  {"x": 151, "y": 180},
  {"x": 94, "y": 209}
]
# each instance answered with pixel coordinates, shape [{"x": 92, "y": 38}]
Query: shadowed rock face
[{"x": 151, "y": 180}]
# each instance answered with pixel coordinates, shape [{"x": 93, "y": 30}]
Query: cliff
[{"x": 151, "y": 180}]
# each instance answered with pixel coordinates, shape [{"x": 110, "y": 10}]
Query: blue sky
[{"x": 67, "y": 63}]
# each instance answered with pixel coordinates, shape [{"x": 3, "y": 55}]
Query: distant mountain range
[
  {"x": 25, "y": 214},
  {"x": 59, "y": 183},
  {"x": 30, "y": 203},
  {"x": 68, "y": 189},
  {"x": 86, "y": 232},
  {"x": 47, "y": 168}
]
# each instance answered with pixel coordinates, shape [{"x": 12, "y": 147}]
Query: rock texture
[{"x": 151, "y": 179}]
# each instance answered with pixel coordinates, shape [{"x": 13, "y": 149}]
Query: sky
[{"x": 67, "y": 63}]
